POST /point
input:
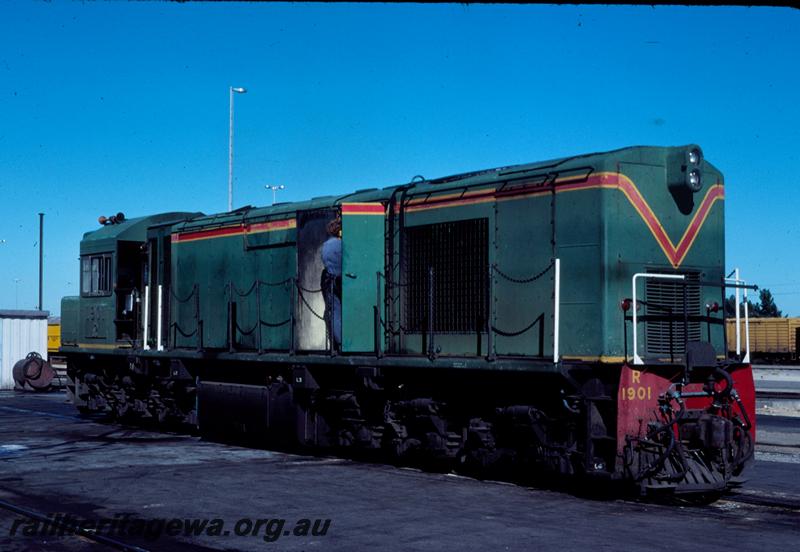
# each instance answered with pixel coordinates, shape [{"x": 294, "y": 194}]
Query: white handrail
[
  {"x": 738, "y": 323},
  {"x": 741, "y": 283},
  {"x": 636, "y": 358},
  {"x": 746, "y": 358},
  {"x": 556, "y": 310},
  {"x": 145, "y": 344},
  {"x": 159, "y": 346}
]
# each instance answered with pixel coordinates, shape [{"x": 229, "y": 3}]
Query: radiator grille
[
  {"x": 663, "y": 296},
  {"x": 458, "y": 252}
]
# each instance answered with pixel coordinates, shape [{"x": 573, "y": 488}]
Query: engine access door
[{"x": 362, "y": 260}]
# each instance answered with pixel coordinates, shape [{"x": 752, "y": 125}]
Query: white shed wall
[{"x": 18, "y": 337}]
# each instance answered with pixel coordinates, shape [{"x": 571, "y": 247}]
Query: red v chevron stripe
[{"x": 674, "y": 252}]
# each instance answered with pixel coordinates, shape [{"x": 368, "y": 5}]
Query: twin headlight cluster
[
  {"x": 685, "y": 169},
  {"x": 694, "y": 159}
]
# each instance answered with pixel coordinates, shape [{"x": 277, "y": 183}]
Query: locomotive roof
[
  {"x": 460, "y": 180},
  {"x": 134, "y": 229}
]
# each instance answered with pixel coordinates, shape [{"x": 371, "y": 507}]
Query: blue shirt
[{"x": 332, "y": 256}]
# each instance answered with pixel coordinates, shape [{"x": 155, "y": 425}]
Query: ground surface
[{"x": 54, "y": 462}]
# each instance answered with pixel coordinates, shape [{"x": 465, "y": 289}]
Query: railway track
[
  {"x": 783, "y": 394},
  {"x": 777, "y": 389},
  {"x": 764, "y": 499}
]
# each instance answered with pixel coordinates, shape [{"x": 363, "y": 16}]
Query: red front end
[{"x": 685, "y": 431}]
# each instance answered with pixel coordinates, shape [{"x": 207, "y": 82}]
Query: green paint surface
[{"x": 362, "y": 260}]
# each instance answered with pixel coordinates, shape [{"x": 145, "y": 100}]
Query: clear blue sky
[{"x": 124, "y": 107}]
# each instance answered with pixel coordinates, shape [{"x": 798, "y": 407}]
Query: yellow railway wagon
[
  {"x": 769, "y": 337},
  {"x": 53, "y": 337}
]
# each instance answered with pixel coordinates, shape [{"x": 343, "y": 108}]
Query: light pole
[
  {"x": 274, "y": 189},
  {"x": 230, "y": 146},
  {"x": 41, "y": 255}
]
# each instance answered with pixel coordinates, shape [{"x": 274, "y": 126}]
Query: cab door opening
[
  {"x": 311, "y": 333},
  {"x": 127, "y": 290}
]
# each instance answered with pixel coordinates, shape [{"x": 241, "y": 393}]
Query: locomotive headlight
[
  {"x": 694, "y": 156},
  {"x": 694, "y": 179}
]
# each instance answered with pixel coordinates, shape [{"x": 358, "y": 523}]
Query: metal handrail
[
  {"x": 159, "y": 322},
  {"x": 726, "y": 282},
  {"x": 146, "y": 330},
  {"x": 556, "y": 310},
  {"x": 654, "y": 275},
  {"x": 739, "y": 283}
]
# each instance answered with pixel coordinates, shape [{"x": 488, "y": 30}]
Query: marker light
[
  {"x": 713, "y": 307},
  {"x": 625, "y": 305},
  {"x": 102, "y": 220}
]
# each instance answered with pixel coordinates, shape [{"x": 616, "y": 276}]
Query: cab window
[{"x": 96, "y": 275}]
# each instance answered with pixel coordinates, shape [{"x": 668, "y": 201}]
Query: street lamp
[
  {"x": 274, "y": 189},
  {"x": 230, "y": 147}
]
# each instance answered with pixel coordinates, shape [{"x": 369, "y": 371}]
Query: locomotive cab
[{"x": 113, "y": 272}]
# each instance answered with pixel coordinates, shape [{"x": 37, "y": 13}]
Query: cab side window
[{"x": 96, "y": 275}]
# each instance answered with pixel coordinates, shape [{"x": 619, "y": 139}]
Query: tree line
[{"x": 765, "y": 307}]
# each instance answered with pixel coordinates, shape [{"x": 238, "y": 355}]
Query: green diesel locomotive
[{"x": 560, "y": 316}]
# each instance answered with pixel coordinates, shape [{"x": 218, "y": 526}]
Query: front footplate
[{"x": 685, "y": 432}]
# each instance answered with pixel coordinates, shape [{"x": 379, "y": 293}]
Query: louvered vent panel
[{"x": 663, "y": 297}]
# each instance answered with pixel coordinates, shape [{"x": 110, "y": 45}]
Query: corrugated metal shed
[{"x": 21, "y": 331}]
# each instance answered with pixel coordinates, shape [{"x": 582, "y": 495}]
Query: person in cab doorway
[{"x": 331, "y": 281}]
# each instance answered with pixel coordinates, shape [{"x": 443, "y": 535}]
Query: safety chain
[
  {"x": 180, "y": 330},
  {"x": 524, "y": 280},
  {"x": 303, "y": 299},
  {"x": 514, "y": 334},
  {"x": 241, "y": 331},
  {"x": 235, "y": 290},
  {"x": 257, "y": 283},
  {"x": 275, "y": 284},
  {"x": 301, "y": 288},
  {"x": 178, "y": 299},
  {"x": 260, "y": 323},
  {"x": 392, "y": 331}
]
